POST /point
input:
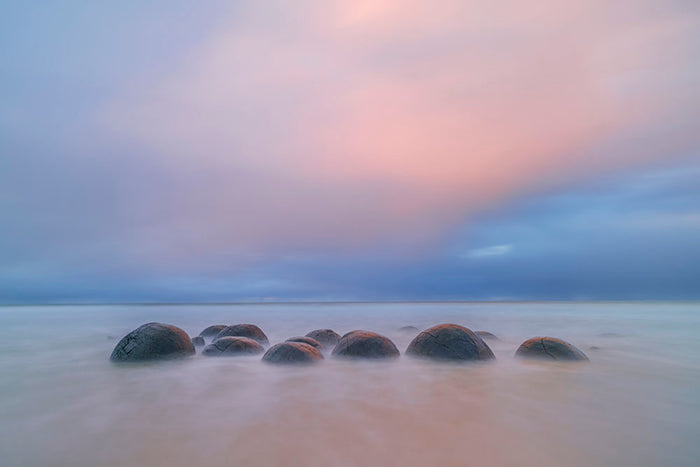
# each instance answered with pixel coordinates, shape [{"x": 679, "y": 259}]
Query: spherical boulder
[
  {"x": 327, "y": 337},
  {"x": 486, "y": 335},
  {"x": 409, "y": 329},
  {"x": 198, "y": 341},
  {"x": 231, "y": 346},
  {"x": 449, "y": 342},
  {"x": 306, "y": 340},
  {"x": 244, "y": 330},
  {"x": 292, "y": 353},
  {"x": 212, "y": 331},
  {"x": 365, "y": 345},
  {"x": 153, "y": 341},
  {"x": 549, "y": 348}
]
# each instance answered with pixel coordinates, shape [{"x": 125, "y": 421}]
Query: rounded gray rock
[
  {"x": 306, "y": 340},
  {"x": 153, "y": 341},
  {"x": 449, "y": 342},
  {"x": 365, "y": 345},
  {"x": 292, "y": 353},
  {"x": 212, "y": 331},
  {"x": 231, "y": 346},
  {"x": 549, "y": 348},
  {"x": 327, "y": 337},
  {"x": 409, "y": 329},
  {"x": 244, "y": 330}
]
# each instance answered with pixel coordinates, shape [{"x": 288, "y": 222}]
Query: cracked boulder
[
  {"x": 549, "y": 348},
  {"x": 244, "y": 330},
  {"x": 449, "y": 342},
  {"x": 153, "y": 341},
  {"x": 292, "y": 353},
  {"x": 327, "y": 337},
  {"x": 307, "y": 340},
  {"x": 232, "y": 346},
  {"x": 365, "y": 345},
  {"x": 211, "y": 331}
]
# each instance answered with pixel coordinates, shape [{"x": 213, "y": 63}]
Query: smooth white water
[{"x": 637, "y": 403}]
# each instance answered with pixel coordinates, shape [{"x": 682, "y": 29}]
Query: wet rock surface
[
  {"x": 231, "y": 346},
  {"x": 244, "y": 330},
  {"x": 365, "y": 345},
  {"x": 306, "y": 340},
  {"x": 549, "y": 348},
  {"x": 449, "y": 342},
  {"x": 327, "y": 337},
  {"x": 292, "y": 353},
  {"x": 153, "y": 341}
]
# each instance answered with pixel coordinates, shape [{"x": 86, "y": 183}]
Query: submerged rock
[
  {"x": 486, "y": 335},
  {"x": 449, "y": 342},
  {"x": 409, "y": 329},
  {"x": 244, "y": 330},
  {"x": 306, "y": 340},
  {"x": 292, "y": 353},
  {"x": 549, "y": 348},
  {"x": 231, "y": 346},
  {"x": 153, "y": 341},
  {"x": 212, "y": 331},
  {"x": 198, "y": 341},
  {"x": 327, "y": 337},
  {"x": 365, "y": 344}
]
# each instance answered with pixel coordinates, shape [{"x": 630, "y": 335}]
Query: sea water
[{"x": 637, "y": 403}]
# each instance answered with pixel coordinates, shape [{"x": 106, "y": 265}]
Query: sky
[{"x": 370, "y": 150}]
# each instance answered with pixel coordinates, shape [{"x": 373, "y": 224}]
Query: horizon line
[{"x": 346, "y": 302}]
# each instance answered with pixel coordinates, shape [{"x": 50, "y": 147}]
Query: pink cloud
[{"x": 341, "y": 123}]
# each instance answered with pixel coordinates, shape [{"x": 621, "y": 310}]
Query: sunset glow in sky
[{"x": 349, "y": 150}]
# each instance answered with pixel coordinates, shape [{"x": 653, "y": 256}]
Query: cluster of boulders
[{"x": 444, "y": 342}]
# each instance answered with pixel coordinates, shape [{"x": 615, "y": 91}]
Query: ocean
[{"x": 636, "y": 403}]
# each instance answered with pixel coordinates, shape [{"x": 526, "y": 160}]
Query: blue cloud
[{"x": 630, "y": 236}]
